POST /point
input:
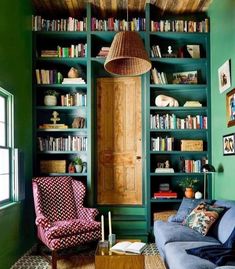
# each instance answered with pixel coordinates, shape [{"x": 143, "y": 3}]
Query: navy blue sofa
[{"x": 172, "y": 239}]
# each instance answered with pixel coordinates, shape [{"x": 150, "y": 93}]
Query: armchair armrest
[
  {"x": 42, "y": 221},
  {"x": 87, "y": 213}
]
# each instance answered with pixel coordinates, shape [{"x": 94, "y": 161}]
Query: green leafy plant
[
  {"x": 188, "y": 182},
  {"x": 51, "y": 92},
  {"x": 77, "y": 161}
]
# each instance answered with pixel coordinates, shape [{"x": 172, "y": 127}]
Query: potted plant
[
  {"x": 77, "y": 162},
  {"x": 50, "y": 98},
  {"x": 189, "y": 184}
]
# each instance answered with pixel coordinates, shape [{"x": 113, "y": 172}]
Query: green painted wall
[
  {"x": 16, "y": 222},
  {"x": 222, "y": 21}
]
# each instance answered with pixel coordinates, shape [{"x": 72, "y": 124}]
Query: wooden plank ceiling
[{"x": 74, "y": 7}]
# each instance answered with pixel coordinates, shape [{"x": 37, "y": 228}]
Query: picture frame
[
  {"x": 189, "y": 77},
  {"x": 228, "y": 144},
  {"x": 230, "y": 108},
  {"x": 224, "y": 76}
]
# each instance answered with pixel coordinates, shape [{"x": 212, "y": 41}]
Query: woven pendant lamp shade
[{"x": 127, "y": 55}]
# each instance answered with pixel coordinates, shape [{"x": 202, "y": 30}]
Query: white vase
[
  {"x": 78, "y": 168},
  {"x": 198, "y": 195},
  {"x": 50, "y": 100}
]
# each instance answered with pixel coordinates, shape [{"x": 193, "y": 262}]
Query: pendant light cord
[{"x": 127, "y": 15}]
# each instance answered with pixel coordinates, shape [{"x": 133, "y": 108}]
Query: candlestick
[
  {"x": 110, "y": 223},
  {"x": 102, "y": 228}
]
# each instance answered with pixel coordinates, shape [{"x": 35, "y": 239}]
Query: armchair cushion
[{"x": 70, "y": 227}]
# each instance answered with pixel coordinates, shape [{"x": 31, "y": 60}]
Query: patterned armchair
[{"x": 62, "y": 220}]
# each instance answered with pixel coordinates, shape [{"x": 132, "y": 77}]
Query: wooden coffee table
[{"x": 105, "y": 259}]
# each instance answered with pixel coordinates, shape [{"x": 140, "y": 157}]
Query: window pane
[
  {"x": 2, "y": 134},
  {"x": 2, "y": 109},
  {"x": 4, "y": 163},
  {"x": 5, "y": 187}
]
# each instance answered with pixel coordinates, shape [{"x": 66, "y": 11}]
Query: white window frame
[{"x": 9, "y": 133}]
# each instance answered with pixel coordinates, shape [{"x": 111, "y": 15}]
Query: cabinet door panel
[{"x": 119, "y": 146}]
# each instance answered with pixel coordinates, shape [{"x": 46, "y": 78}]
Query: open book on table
[{"x": 126, "y": 247}]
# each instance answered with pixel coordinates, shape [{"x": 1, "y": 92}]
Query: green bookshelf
[{"x": 139, "y": 217}]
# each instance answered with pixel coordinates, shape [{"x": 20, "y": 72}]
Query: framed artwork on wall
[
  {"x": 230, "y": 108},
  {"x": 224, "y": 76},
  {"x": 228, "y": 144}
]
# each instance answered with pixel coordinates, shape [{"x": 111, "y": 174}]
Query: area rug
[{"x": 83, "y": 260}]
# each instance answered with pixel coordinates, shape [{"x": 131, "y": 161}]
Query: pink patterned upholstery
[{"x": 62, "y": 220}]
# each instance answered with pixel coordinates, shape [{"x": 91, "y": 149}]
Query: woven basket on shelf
[{"x": 127, "y": 55}]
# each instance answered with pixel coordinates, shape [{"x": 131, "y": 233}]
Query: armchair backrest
[{"x": 54, "y": 197}]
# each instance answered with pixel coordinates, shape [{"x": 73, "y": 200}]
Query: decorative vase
[
  {"x": 50, "y": 100},
  {"x": 189, "y": 193},
  {"x": 78, "y": 168},
  {"x": 198, "y": 195}
]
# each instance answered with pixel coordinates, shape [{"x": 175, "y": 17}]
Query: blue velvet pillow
[
  {"x": 218, "y": 254},
  {"x": 186, "y": 207}
]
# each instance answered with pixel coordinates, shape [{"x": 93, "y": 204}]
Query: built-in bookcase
[{"x": 163, "y": 127}]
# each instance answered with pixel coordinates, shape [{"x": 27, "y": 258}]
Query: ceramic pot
[
  {"x": 50, "y": 100},
  {"x": 78, "y": 168},
  {"x": 189, "y": 193},
  {"x": 198, "y": 195}
]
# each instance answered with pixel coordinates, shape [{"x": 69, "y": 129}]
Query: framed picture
[
  {"x": 230, "y": 108},
  {"x": 224, "y": 76},
  {"x": 189, "y": 77},
  {"x": 228, "y": 144}
]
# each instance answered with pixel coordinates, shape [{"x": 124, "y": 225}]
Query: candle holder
[
  {"x": 103, "y": 247},
  {"x": 112, "y": 239}
]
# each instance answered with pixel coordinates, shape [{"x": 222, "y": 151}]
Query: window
[{"x": 7, "y": 179}]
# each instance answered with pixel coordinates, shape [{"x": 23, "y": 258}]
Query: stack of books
[
  {"x": 103, "y": 52},
  {"x": 165, "y": 194},
  {"x": 73, "y": 81}
]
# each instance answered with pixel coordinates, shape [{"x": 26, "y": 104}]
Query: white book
[{"x": 126, "y": 247}]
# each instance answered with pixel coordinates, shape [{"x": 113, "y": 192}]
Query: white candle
[
  {"x": 102, "y": 227},
  {"x": 110, "y": 224}
]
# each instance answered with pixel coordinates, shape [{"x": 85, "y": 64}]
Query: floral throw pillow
[{"x": 202, "y": 217}]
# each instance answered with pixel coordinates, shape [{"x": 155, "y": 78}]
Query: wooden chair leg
[{"x": 54, "y": 260}]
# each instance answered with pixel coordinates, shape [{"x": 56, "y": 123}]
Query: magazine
[{"x": 126, "y": 247}]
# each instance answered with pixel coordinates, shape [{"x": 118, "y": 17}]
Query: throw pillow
[
  {"x": 202, "y": 217},
  {"x": 186, "y": 207}
]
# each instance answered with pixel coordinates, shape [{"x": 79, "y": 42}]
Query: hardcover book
[{"x": 126, "y": 247}]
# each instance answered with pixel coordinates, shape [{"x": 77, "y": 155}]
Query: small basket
[
  {"x": 163, "y": 215},
  {"x": 52, "y": 166}
]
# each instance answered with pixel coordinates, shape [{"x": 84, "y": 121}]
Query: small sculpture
[
  {"x": 78, "y": 122},
  {"x": 163, "y": 100},
  {"x": 55, "y": 118},
  {"x": 169, "y": 49},
  {"x": 73, "y": 73}
]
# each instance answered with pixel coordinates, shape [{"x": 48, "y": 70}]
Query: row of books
[
  {"x": 79, "y": 50},
  {"x": 70, "y": 143},
  {"x": 69, "y": 24},
  {"x": 111, "y": 24},
  {"x": 155, "y": 51},
  {"x": 158, "y": 77},
  {"x": 171, "y": 121},
  {"x": 193, "y": 166},
  {"x": 180, "y": 26},
  {"x": 74, "y": 99},
  {"x": 48, "y": 76},
  {"x": 162, "y": 143}
]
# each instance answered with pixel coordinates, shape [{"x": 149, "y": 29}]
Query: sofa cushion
[
  {"x": 186, "y": 206},
  {"x": 176, "y": 256},
  {"x": 166, "y": 232},
  {"x": 202, "y": 217},
  {"x": 226, "y": 224}
]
